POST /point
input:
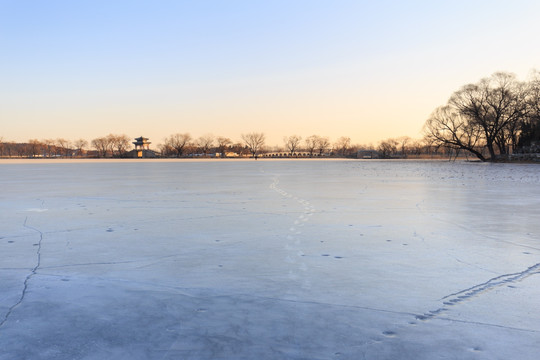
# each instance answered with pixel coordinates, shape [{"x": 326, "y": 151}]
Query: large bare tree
[
  {"x": 178, "y": 142},
  {"x": 292, "y": 143},
  {"x": 447, "y": 127},
  {"x": 255, "y": 142},
  {"x": 495, "y": 105}
]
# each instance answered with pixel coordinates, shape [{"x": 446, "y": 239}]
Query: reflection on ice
[{"x": 269, "y": 259}]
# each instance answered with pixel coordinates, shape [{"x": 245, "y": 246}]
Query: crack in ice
[
  {"x": 492, "y": 283},
  {"x": 466, "y": 294},
  {"x": 457, "y": 297},
  {"x": 28, "y": 277}
]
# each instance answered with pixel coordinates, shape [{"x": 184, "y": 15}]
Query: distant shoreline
[
  {"x": 134, "y": 160},
  {"x": 264, "y": 159}
]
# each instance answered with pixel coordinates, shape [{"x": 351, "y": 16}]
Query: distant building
[{"x": 142, "y": 148}]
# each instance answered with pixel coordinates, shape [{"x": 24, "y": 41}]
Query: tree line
[
  {"x": 489, "y": 120},
  {"x": 183, "y": 145}
]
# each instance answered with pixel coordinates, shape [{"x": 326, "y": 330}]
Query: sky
[{"x": 368, "y": 70}]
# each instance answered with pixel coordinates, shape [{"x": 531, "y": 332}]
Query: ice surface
[{"x": 269, "y": 260}]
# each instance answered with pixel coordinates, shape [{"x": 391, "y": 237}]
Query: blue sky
[{"x": 363, "y": 69}]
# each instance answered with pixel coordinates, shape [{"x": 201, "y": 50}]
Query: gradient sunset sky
[{"x": 369, "y": 70}]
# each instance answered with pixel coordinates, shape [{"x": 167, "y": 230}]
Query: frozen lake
[{"x": 269, "y": 260}]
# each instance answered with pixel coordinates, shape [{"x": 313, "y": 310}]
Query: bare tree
[
  {"x": 449, "y": 128},
  {"x": 101, "y": 144},
  {"x": 494, "y": 105},
  {"x": 291, "y": 143},
  {"x": 35, "y": 148},
  {"x": 178, "y": 142},
  {"x": 111, "y": 145},
  {"x": 387, "y": 148},
  {"x": 342, "y": 145},
  {"x": 222, "y": 144},
  {"x": 205, "y": 142},
  {"x": 119, "y": 144},
  {"x": 254, "y": 142},
  {"x": 80, "y": 144},
  {"x": 311, "y": 144},
  {"x": 323, "y": 143},
  {"x": 63, "y": 146}
]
